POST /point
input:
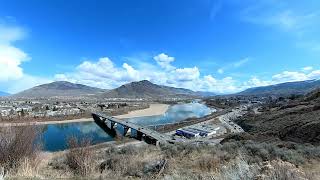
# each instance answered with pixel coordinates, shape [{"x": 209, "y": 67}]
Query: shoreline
[{"x": 153, "y": 110}]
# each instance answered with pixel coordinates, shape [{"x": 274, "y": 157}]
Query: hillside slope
[
  {"x": 289, "y": 120},
  {"x": 146, "y": 89},
  {"x": 59, "y": 88},
  {"x": 284, "y": 89}
]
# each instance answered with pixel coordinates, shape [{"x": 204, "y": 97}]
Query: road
[{"x": 227, "y": 119}]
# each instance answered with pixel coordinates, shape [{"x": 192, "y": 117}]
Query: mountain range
[
  {"x": 59, "y": 88},
  {"x": 140, "y": 89},
  {"x": 283, "y": 89},
  {"x": 146, "y": 89}
]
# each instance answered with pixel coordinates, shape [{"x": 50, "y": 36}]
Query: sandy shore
[{"x": 153, "y": 110}]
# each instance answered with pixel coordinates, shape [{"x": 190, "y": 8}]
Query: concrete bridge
[{"x": 109, "y": 125}]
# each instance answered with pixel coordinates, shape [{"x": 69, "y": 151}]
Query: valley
[{"x": 232, "y": 122}]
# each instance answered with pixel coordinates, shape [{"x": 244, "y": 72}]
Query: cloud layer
[
  {"x": 10, "y": 56},
  {"x": 12, "y": 77},
  {"x": 105, "y": 74}
]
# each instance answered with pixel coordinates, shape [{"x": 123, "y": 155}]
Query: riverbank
[{"x": 153, "y": 110}]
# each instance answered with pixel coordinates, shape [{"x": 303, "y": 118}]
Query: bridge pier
[
  {"x": 101, "y": 123},
  {"x": 125, "y": 130},
  {"x": 137, "y": 131},
  {"x": 110, "y": 124},
  {"x": 139, "y": 135},
  {"x": 150, "y": 140},
  {"x": 136, "y": 134}
]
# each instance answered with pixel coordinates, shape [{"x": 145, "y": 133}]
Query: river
[{"x": 55, "y": 136}]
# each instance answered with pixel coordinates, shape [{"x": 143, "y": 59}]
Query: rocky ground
[{"x": 295, "y": 120}]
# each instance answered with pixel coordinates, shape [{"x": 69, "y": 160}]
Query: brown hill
[
  {"x": 295, "y": 120},
  {"x": 283, "y": 89},
  {"x": 58, "y": 89},
  {"x": 146, "y": 89}
]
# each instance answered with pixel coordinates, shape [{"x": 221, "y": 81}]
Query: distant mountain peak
[
  {"x": 284, "y": 89},
  {"x": 147, "y": 89},
  {"x": 140, "y": 82},
  {"x": 59, "y": 88},
  {"x": 138, "y": 89},
  {"x": 143, "y": 81}
]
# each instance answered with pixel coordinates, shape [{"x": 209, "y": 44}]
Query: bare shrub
[
  {"x": 133, "y": 161},
  {"x": 80, "y": 157},
  {"x": 257, "y": 152},
  {"x": 19, "y": 145},
  {"x": 208, "y": 162},
  {"x": 239, "y": 168},
  {"x": 282, "y": 170},
  {"x": 28, "y": 168}
]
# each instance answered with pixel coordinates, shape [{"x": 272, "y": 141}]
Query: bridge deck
[{"x": 149, "y": 132}]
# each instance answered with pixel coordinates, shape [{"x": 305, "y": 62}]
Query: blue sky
[{"x": 221, "y": 46}]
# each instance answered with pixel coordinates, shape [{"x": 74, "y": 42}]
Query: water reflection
[
  {"x": 175, "y": 113},
  {"x": 55, "y": 135}
]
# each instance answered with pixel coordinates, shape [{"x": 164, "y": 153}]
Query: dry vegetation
[
  {"x": 19, "y": 151},
  {"x": 80, "y": 158},
  {"x": 231, "y": 160},
  {"x": 242, "y": 159},
  {"x": 294, "y": 119}
]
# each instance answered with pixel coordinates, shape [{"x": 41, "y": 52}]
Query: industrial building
[{"x": 198, "y": 131}]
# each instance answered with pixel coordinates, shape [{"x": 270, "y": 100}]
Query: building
[{"x": 198, "y": 131}]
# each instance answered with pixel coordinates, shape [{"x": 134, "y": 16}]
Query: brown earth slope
[{"x": 295, "y": 120}]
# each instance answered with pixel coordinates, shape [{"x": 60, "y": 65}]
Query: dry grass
[
  {"x": 80, "y": 157},
  {"x": 19, "y": 150},
  {"x": 230, "y": 161},
  {"x": 133, "y": 162}
]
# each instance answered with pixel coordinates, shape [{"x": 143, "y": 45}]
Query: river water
[{"x": 55, "y": 136}]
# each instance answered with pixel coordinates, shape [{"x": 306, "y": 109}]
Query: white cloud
[
  {"x": 225, "y": 85},
  {"x": 314, "y": 74},
  {"x": 307, "y": 68},
  {"x": 285, "y": 76},
  {"x": 233, "y": 65},
  {"x": 10, "y": 56},
  {"x": 26, "y": 82},
  {"x": 256, "y": 82},
  {"x": 186, "y": 74},
  {"x": 241, "y": 62},
  {"x": 164, "y": 61},
  {"x": 12, "y": 77},
  {"x": 288, "y": 76},
  {"x": 105, "y": 74}
]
